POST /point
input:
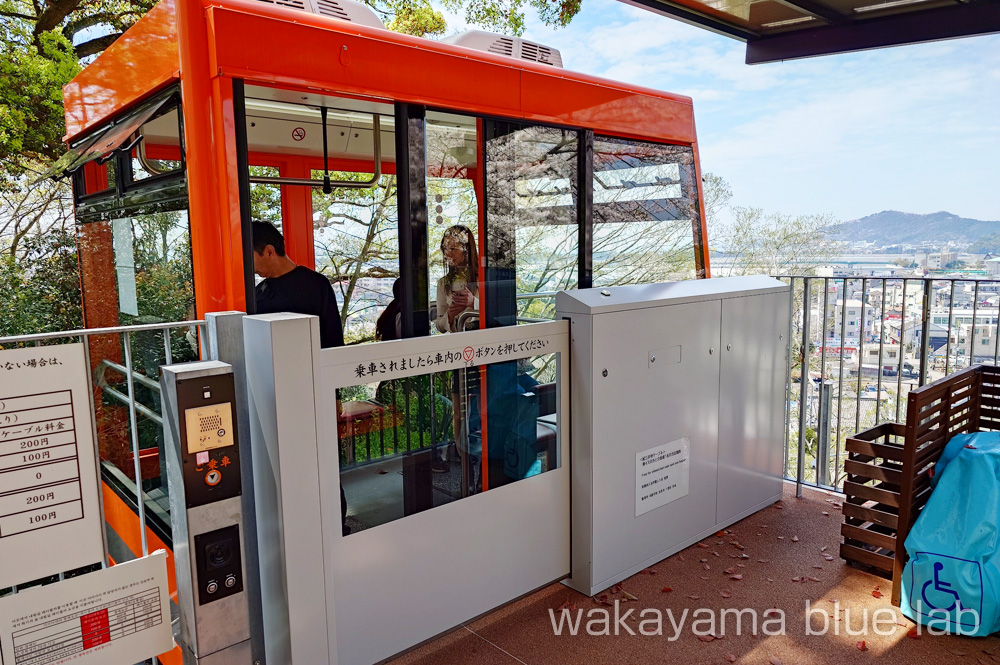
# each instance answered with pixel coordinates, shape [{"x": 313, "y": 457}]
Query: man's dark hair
[{"x": 265, "y": 234}]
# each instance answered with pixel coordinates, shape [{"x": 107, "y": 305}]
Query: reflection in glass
[
  {"x": 400, "y": 451},
  {"x": 531, "y": 213},
  {"x": 645, "y": 212},
  {"x": 453, "y": 208}
]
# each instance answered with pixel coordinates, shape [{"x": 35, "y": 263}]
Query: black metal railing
[{"x": 858, "y": 345}]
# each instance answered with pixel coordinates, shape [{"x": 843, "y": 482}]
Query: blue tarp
[{"x": 952, "y": 579}]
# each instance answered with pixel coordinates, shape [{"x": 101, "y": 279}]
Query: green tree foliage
[
  {"x": 32, "y": 74},
  {"x": 39, "y": 286}
]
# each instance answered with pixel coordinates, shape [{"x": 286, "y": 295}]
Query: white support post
[{"x": 282, "y": 355}]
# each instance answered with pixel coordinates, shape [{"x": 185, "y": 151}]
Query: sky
[{"x": 912, "y": 128}]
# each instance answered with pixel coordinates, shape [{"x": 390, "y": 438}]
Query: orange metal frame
[{"x": 206, "y": 44}]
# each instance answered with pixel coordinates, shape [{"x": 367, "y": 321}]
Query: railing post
[
  {"x": 804, "y": 381},
  {"x": 823, "y": 433},
  {"x": 925, "y": 332}
]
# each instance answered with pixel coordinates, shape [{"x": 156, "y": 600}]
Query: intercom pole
[{"x": 203, "y": 467}]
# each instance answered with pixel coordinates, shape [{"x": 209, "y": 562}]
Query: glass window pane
[
  {"x": 532, "y": 222},
  {"x": 265, "y": 200},
  {"x": 355, "y": 239},
  {"x": 453, "y": 222},
  {"x": 160, "y": 150},
  {"x": 406, "y": 448},
  {"x": 645, "y": 212}
]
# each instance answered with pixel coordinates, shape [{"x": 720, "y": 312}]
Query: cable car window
[
  {"x": 645, "y": 212},
  {"x": 265, "y": 200},
  {"x": 159, "y": 150},
  {"x": 453, "y": 228},
  {"x": 531, "y": 219}
]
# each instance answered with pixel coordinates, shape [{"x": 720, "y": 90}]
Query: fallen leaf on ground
[
  {"x": 666, "y": 589},
  {"x": 862, "y": 646},
  {"x": 775, "y": 660},
  {"x": 694, "y": 597},
  {"x": 957, "y": 653},
  {"x": 705, "y": 578},
  {"x": 616, "y": 588},
  {"x": 823, "y": 549},
  {"x": 795, "y": 539},
  {"x": 773, "y": 610},
  {"x": 714, "y": 553},
  {"x": 826, "y": 514},
  {"x": 707, "y": 638},
  {"x": 702, "y": 560},
  {"x": 876, "y": 593},
  {"x": 914, "y": 634},
  {"x": 707, "y": 567},
  {"x": 781, "y": 537},
  {"x": 731, "y": 657},
  {"x": 736, "y": 577},
  {"x": 382, "y": 472},
  {"x": 818, "y": 567},
  {"x": 730, "y": 571},
  {"x": 703, "y": 546},
  {"x": 796, "y": 579},
  {"x": 763, "y": 560},
  {"x": 726, "y": 593},
  {"x": 647, "y": 571},
  {"x": 628, "y": 596},
  {"x": 814, "y": 579}
]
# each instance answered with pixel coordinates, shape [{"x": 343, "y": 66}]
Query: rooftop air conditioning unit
[
  {"x": 515, "y": 47},
  {"x": 345, "y": 10}
]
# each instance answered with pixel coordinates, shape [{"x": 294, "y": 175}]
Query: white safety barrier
[{"x": 364, "y": 597}]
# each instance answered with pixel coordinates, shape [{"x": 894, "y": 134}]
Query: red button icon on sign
[
  {"x": 468, "y": 353},
  {"x": 298, "y": 134}
]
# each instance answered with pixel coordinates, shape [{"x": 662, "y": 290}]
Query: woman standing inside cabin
[{"x": 458, "y": 288}]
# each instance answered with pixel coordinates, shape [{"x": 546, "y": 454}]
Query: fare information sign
[
  {"x": 116, "y": 616},
  {"x": 50, "y": 519}
]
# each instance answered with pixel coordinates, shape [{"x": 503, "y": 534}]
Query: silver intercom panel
[{"x": 203, "y": 470}]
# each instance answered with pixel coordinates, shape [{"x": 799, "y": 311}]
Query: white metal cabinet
[
  {"x": 751, "y": 396},
  {"x": 717, "y": 380},
  {"x": 644, "y": 404}
]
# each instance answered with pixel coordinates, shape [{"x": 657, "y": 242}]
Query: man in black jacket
[{"x": 289, "y": 287}]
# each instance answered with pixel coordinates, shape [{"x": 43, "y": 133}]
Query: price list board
[
  {"x": 116, "y": 616},
  {"x": 50, "y": 519}
]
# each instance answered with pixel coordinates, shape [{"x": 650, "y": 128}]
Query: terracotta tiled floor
[{"x": 522, "y": 632}]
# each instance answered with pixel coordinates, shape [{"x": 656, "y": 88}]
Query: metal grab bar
[
  {"x": 123, "y": 398},
  {"x": 90, "y": 332},
  {"x": 351, "y": 184},
  {"x": 138, "y": 376}
]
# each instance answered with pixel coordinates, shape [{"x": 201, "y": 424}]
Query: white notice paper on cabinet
[
  {"x": 50, "y": 517},
  {"x": 662, "y": 475},
  {"x": 116, "y": 616}
]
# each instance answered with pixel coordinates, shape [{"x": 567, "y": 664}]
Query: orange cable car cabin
[{"x": 362, "y": 146}]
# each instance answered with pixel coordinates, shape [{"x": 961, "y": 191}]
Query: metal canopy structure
[{"x": 776, "y": 30}]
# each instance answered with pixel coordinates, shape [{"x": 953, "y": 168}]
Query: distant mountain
[{"x": 891, "y": 227}]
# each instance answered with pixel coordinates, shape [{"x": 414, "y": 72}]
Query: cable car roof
[
  {"x": 777, "y": 30},
  {"x": 289, "y": 48}
]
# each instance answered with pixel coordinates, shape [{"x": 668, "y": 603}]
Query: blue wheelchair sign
[{"x": 939, "y": 579}]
